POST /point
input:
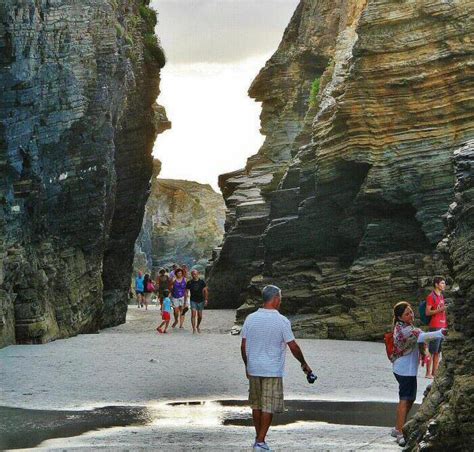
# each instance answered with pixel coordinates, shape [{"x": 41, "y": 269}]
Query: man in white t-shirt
[{"x": 265, "y": 335}]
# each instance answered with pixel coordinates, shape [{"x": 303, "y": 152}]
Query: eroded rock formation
[
  {"x": 183, "y": 223},
  {"x": 343, "y": 205},
  {"x": 445, "y": 421},
  {"x": 346, "y": 204},
  {"x": 77, "y": 124}
]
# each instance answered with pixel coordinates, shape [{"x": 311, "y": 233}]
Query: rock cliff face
[
  {"x": 77, "y": 124},
  {"x": 364, "y": 103},
  {"x": 184, "y": 222},
  {"x": 445, "y": 421}
]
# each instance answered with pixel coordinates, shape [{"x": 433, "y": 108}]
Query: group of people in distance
[{"x": 177, "y": 292}]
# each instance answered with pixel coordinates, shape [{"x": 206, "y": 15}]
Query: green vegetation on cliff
[{"x": 314, "y": 91}]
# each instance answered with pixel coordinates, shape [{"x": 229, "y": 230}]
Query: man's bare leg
[
  {"x": 435, "y": 360},
  {"x": 428, "y": 368},
  {"x": 257, "y": 416},
  {"x": 265, "y": 422},
  {"x": 193, "y": 319},
  {"x": 199, "y": 320}
]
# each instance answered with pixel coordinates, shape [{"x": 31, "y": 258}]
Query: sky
[{"x": 214, "y": 50}]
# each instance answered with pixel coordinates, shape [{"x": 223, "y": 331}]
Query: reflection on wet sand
[{"x": 21, "y": 428}]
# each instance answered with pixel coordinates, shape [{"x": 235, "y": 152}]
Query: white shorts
[{"x": 177, "y": 302}]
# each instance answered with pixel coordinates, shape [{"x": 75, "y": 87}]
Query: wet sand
[{"x": 132, "y": 365}]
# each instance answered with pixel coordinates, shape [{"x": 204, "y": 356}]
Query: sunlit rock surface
[
  {"x": 183, "y": 223},
  {"x": 77, "y": 126},
  {"x": 343, "y": 205}
]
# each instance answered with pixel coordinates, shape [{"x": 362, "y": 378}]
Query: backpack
[
  {"x": 150, "y": 287},
  {"x": 425, "y": 319},
  {"x": 389, "y": 346}
]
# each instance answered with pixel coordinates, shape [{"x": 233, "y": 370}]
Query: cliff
[
  {"x": 183, "y": 223},
  {"x": 364, "y": 104},
  {"x": 77, "y": 124},
  {"x": 445, "y": 421},
  {"x": 363, "y": 189}
]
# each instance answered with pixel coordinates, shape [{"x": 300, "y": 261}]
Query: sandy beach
[{"x": 132, "y": 365}]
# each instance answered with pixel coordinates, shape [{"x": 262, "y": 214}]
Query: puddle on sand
[
  {"x": 237, "y": 412},
  {"x": 21, "y": 428}
]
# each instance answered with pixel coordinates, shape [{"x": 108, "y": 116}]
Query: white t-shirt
[
  {"x": 266, "y": 332},
  {"x": 408, "y": 365}
]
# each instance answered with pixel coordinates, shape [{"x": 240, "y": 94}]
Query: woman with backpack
[
  {"x": 408, "y": 342},
  {"x": 149, "y": 288}
]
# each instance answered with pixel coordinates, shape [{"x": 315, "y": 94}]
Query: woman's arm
[{"x": 423, "y": 337}]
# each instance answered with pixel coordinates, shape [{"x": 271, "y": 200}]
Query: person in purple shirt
[{"x": 179, "y": 297}]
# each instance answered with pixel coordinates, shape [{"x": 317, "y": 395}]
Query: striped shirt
[{"x": 266, "y": 332}]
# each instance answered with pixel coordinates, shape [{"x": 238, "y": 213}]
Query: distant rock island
[{"x": 183, "y": 223}]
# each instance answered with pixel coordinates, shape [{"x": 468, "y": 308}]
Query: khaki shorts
[{"x": 266, "y": 394}]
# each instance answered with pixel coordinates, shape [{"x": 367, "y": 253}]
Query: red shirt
[{"x": 434, "y": 302}]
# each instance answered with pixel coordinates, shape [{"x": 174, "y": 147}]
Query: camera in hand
[{"x": 311, "y": 377}]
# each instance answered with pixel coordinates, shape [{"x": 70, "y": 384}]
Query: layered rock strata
[
  {"x": 343, "y": 205},
  {"x": 283, "y": 87},
  {"x": 183, "y": 222},
  {"x": 77, "y": 124},
  {"x": 445, "y": 421}
]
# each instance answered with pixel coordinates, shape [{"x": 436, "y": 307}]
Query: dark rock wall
[
  {"x": 349, "y": 221},
  {"x": 184, "y": 221},
  {"x": 445, "y": 421},
  {"x": 77, "y": 124}
]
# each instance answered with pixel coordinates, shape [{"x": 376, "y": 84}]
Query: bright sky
[{"x": 214, "y": 49}]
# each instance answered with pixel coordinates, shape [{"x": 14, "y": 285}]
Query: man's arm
[
  {"x": 298, "y": 354},
  {"x": 205, "y": 292},
  {"x": 243, "y": 353},
  {"x": 430, "y": 310}
]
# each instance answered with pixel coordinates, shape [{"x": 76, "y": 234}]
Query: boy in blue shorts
[{"x": 165, "y": 312}]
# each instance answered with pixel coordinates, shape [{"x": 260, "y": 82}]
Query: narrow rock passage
[{"x": 132, "y": 365}]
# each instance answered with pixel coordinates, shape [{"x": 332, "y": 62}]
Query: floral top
[{"x": 405, "y": 338}]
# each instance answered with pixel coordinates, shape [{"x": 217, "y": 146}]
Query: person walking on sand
[
  {"x": 139, "y": 289},
  {"x": 165, "y": 313},
  {"x": 149, "y": 288},
  {"x": 407, "y": 345},
  {"x": 178, "y": 297},
  {"x": 198, "y": 294},
  {"x": 436, "y": 310},
  {"x": 163, "y": 282},
  {"x": 265, "y": 335}
]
